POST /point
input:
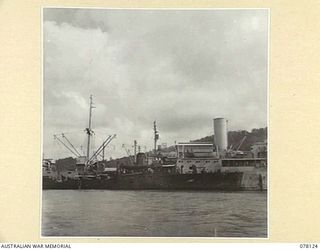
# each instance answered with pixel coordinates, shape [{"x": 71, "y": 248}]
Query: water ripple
[{"x": 154, "y": 213}]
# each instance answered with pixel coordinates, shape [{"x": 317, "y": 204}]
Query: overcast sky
[{"x": 181, "y": 68}]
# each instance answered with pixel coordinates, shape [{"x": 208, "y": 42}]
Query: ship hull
[
  {"x": 207, "y": 181},
  {"x": 49, "y": 183},
  {"x": 160, "y": 181}
]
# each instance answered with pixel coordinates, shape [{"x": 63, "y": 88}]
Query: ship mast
[
  {"x": 88, "y": 130},
  {"x": 156, "y": 136},
  {"x": 135, "y": 151}
]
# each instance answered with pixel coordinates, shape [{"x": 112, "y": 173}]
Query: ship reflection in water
[{"x": 154, "y": 213}]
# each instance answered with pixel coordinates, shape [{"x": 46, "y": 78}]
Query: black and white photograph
[{"x": 154, "y": 123}]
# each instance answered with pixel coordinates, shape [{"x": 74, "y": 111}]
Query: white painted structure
[
  {"x": 221, "y": 133},
  {"x": 196, "y": 158}
]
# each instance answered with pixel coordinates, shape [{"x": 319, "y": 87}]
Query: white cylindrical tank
[{"x": 221, "y": 133}]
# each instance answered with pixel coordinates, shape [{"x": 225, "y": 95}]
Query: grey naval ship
[{"x": 190, "y": 166}]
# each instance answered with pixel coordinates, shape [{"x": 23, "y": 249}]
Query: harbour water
[{"x": 154, "y": 213}]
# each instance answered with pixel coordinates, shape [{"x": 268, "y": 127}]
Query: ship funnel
[{"x": 221, "y": 133}]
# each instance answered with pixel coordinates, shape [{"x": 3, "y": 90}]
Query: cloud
[{"x": 182, "y": 68}]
